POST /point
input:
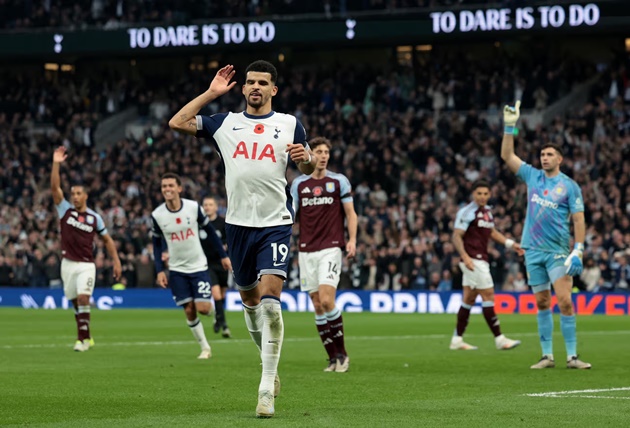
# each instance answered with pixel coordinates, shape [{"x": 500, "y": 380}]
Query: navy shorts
[
  {"x": 257, "y": 251},
  {"x": 188, "y": 287}
]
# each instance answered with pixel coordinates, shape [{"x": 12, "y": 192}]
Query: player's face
[
  {"x": 210, "y": 207},
  {"x": 550, "y": 159},
  {"x": 323, "y": 155},
  {"x": 170, "y": 189},
  {"x": 78, "y": 196},
  {"x": 481, "y": 195},
  {"x": 258, "y": 89}
]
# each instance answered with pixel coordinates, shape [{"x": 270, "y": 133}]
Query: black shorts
[{"x": 218, "y": 275}]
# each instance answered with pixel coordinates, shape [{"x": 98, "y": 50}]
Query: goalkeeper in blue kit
[{"x": 553, "y": 200}]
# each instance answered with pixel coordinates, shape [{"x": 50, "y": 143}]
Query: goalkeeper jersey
[{"x": 550, "y": 203}]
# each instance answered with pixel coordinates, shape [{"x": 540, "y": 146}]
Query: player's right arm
[
  {"x": 462, "y": 221},
  {"x": 458, "y": 242},
  {"x": 185, "y": 120},
  {"x": 510, "y": 117},
  {"x": 157, "y": 238},
  {"x": 59, "y": 156}
]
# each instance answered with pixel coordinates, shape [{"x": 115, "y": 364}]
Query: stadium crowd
[
  {"x": 113, "y": 14},
  {"x": 411, "y": 141}
]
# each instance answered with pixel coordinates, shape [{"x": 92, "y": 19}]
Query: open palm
[
  {"x": 221, "y": 82},
  {"x": 60, "y": 154}
]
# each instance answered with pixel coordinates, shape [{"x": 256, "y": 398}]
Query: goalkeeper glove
[
  {"x": 510, "y": 116},
  {"x": 574, "y": 261}
]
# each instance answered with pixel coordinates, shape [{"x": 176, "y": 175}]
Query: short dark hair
[
  {"x": 81, "y": 185},
  {"x": 319, "y": 141},
  {"x": 480, "y": 183},
  {"x": 172, "y": 175},
  {"x": 554, "y": 146},
  {"x": 262, "y": 66}
]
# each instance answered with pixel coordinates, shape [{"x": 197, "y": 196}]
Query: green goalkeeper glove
[{"x": 511, "y": 114}]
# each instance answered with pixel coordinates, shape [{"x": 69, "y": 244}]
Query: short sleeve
[
  {"x": 155, "y": 228},
  {"x": 345, "y": 189},
  {"x": 294, "y": 194},
  {"x": 527, "y": 173},
  {"x": 207, "y": 126},
  {"x": 100, "y": 225},
  {"x": 300, "y": 134},
  {"x": 464, "y": 217},
  {"x": 63, "y": 206},
  {"x": 576, "y": 202}
]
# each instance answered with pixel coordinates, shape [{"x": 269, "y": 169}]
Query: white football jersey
[
  {"x": 180, "y": 230},
  {"x": 253, "y": 150}
]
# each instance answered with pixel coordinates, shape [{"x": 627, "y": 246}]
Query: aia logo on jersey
[
  {"x": 317, "y": 191},
  {"x": 254, "y": 152},
  {"x": 181, "y": 235}
]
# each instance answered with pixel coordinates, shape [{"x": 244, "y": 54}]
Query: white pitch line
[
  {"x": 578, "y": 393},
  {"x": 297, "y": 339}
]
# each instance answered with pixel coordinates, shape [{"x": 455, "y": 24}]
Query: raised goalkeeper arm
[{"x": 510, "y": 116}]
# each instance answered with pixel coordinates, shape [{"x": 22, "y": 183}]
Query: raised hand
[
  {"x": 221, "y": 83},
  {"x": 60, "y": 155},
  {"x": 511, "y": 114}
]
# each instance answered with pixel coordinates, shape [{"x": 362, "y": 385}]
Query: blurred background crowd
[
  {"x": 411, "y": 136},
  {"x": 114, "y": 14}
]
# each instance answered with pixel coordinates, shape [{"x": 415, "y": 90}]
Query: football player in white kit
[
  {"x": 255, "y": 146},
  {"x": 177, "y": 221}
]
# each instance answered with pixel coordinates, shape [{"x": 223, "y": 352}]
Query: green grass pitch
[{"x": 143, "y": 372}]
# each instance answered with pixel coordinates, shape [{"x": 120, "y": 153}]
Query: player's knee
[
  {"x": 328, "y": 304},
  {"x": 565, "y": 306}
]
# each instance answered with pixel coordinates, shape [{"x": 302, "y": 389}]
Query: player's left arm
[
  {"x": 206, "y": 224},
  {"x": 500, "y": 238},
  {"x": 300, "y": 152},
  {"x": 113, "y": 253},
  {"x": 345, "y": 191},
  {"x": 352, "y": 225},
  {"x": 576, "y": 206}
]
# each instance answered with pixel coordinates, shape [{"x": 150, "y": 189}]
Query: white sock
[
  {"x": 272, "y": 336},
  {"x": 197, "y": 330},
  {"x": 254, "y": 322}
]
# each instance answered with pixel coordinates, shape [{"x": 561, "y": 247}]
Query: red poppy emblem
[
  {"x": 259, "y": 129},
  {"x": 81, "y": 219},
  {"x": 178, "y": 220},
  {"x": 318, "y": 191},
  {"x": 546, "y": 192}
]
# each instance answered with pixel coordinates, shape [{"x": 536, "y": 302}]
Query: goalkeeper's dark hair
[
  {"x": 554, "y": 146},
  {"x": 262, "y": 66},
  {"x": 172, "y": 175},
  {"x": 480, "y": 183}
]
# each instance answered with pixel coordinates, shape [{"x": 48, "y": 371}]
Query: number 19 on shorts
[{"x": 282, "y": 250}]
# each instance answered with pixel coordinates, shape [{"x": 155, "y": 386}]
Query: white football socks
[
  {"x": 197, "y": 330},
  {"x": 272, "y": 336},
  {"x": 254, "y": 322}
]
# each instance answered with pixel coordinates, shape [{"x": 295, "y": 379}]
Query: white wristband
[
  {"x": 310, "y": 158},
  {"x": 509, "y": 243}
]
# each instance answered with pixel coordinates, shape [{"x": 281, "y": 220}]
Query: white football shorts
[
  {"x": 479, "y": 278},
  {"x": 320, "y": 267},
  {"x": 78, "y": 278}
]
